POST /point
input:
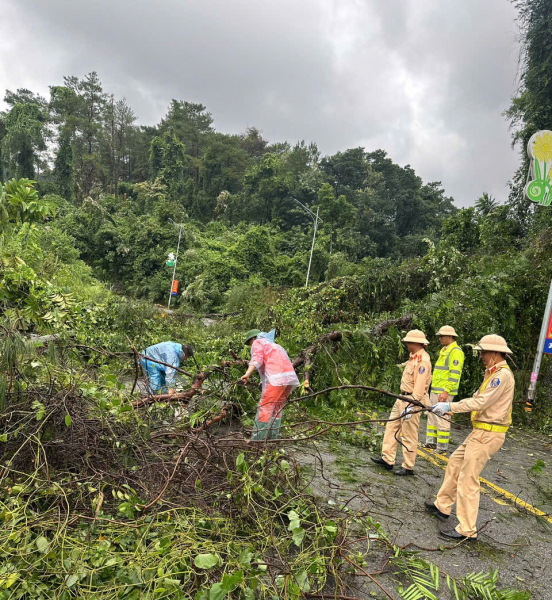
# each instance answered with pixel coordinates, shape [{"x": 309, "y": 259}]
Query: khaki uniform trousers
[
  {"x": 461, "y": 483},
  {"x": 438, "y": 429},
  {"x": 408, "y": 431}
]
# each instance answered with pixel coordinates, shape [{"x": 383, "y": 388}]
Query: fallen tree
[{"x": 400, "y": 323}]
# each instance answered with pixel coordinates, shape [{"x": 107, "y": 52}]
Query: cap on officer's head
[
  {"x": 447, "y": 330},
  {"x": 493, "y": 343},
  {"x": 416, "y": 336}
]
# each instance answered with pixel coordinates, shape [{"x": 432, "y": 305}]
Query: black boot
[
  {"x": 452, "y": 534},
  {"x": 431, "y": 508},
  {"x": 382, "y": 463},
  {"x": 404, "y": 472}
]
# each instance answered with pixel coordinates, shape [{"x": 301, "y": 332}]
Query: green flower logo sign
[{"x": 539, "y": 184}]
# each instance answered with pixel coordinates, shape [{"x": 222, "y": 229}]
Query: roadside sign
[
  {"x": 548, "y": 341},
  {"x": 539, "y": 189}
]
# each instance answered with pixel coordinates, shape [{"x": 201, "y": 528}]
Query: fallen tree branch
[
  {"x": 400, "y": 323},
  {"x": 364, "y": 572},
  {"x": 307, "y": 355},
  {"x": 186, "y": 396},
  {"x": 367, "y": 388},
  {"x": 225, "y": 411},
  {"x": 195, "y": 388},
  {"x": 160, "y": 495}
]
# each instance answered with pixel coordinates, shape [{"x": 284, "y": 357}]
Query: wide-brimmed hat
[
  {"x": 416, "y": 336},
  {"x": 251, "y": 334},
  {"x": 493, "y": 343},
  {"x": 447, "y": 330}
]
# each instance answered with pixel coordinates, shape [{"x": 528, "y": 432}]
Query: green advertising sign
[
  {"x": 537, "y": 189},
  {"x": 539, "y": 150}
]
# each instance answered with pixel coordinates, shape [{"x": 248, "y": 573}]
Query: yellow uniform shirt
[
  {"x": 416, "y": 376},
  {"x": 492, "y": 403}
]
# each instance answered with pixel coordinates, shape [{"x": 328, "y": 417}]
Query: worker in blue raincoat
[{"x": 162, "y": 376}]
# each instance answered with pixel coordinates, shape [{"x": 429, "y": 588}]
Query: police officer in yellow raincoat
[
  {"x": 444, "y": 386},
  {"x": 491, "y": 415}
]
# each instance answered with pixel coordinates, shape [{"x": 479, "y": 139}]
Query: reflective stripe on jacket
[{"x": 448, "y": 370}]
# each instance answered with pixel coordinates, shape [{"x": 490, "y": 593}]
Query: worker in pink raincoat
[{"x": 278, "y": 378}]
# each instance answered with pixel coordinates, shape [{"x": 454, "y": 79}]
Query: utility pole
[
  {"x": 175, "y": 263},
  {"x": 315, "y": 219}
]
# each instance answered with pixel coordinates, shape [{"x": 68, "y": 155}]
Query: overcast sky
[{"x": 426, "y": 80}]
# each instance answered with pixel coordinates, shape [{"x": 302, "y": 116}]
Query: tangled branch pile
[{"x": 103, "y": 496}]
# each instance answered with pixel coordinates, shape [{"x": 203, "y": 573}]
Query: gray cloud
[{"x": 424, "y": 79}]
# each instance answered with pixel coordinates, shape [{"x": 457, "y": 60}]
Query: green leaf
[
  {"x": 303, "y": 581},
  {"x": 244, "y": 559},
  {"x": 298, "y": 535},
  {"x": 241, "y": 465},
  {"x": 294, "y": 520},
  {"x": 538, "y": 467},
  {"x": 330, "y": 527},
  {"x": 71, "y": 580},
  {"x": 68, "y": 420},
  {"x": 206, "y": 561},
  {"x": 217, "y": 592},
  {"x": 42, "y": 544},
  {"x": 232, "y": 581},
  {"x": 4, "y": 437}
]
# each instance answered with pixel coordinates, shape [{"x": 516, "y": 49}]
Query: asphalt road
[{"x": 513, "y": 538}]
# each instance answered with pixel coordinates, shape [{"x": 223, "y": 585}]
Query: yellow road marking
[{"x": 431, "y": 457}]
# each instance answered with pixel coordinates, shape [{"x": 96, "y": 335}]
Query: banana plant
[{"x": 19, "y": 203}]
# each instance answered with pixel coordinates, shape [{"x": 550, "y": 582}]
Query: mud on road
[{"x": 512, "y": 538}]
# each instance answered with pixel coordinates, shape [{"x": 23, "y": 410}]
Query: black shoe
[
  {"x": 382, "y": 463},
  {"x": 454, "y": 535},
  {"x": 429, "y": 446},
  {"x": 403, "y": 472},
  {"x": 430, "y": 507}
]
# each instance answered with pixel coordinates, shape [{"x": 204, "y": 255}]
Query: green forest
[{"x": 105, "y": 496}]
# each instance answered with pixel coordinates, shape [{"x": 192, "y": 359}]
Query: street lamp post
[
  {"x": 175, "y": 263},
  {"x": 315, "y": 219}
]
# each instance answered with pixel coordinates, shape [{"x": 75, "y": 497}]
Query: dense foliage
[{"x": 124, "y": 182}]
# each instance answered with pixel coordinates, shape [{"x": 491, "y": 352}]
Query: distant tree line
[{"x": 82, "y": 143}]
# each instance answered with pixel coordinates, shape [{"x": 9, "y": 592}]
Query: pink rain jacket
[{"x": 272, "y": 363}]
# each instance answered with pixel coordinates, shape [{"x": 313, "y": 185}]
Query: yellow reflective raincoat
[{"x": 447, "y": 370}]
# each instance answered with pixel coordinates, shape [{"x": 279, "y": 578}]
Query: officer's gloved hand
[
  {"x": 441, "y": 409},
  {"x": 407, "y": 412}
]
